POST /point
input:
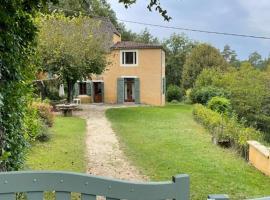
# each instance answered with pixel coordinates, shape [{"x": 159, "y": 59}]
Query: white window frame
[{"x": 129, "y": 65}]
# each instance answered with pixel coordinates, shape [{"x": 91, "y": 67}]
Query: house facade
[{"x": 135, "y": 75}]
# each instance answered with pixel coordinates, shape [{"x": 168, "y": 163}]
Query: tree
[
  {"x": 230, "y": 56},
  {"x": 69, "y": 48},
  {"x": 201, "y": 57},
  {"x": 146, "y": 37},
  {"x": 17, "y": 36},
  {"x": 177, "y": 48},
  {"x": 256, "y": 60},
  {"x": 93, "y": 8}
]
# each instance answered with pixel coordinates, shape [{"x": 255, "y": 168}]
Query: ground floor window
[{"x": 129, "y": 89}]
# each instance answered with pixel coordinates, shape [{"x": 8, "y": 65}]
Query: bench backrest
[{"x": 34, "y": 184}]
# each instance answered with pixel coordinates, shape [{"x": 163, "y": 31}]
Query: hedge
[{"x": 225, "y": 128}]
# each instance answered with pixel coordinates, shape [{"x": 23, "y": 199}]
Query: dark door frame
[{"x": 97, "y": 92}]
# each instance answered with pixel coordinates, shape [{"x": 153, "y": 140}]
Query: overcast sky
[{"x": 250, "y": 17}]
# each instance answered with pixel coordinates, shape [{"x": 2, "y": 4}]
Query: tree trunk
[{"x": 70, "y": 86}]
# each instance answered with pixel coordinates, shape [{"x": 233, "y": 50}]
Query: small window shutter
[
  {"x": 120, "y": 90},
  {"x": 102, "y": 90},
  {"x": 76, "y": 89},
  {"x": 137, "y": 91},
  {"x": 89, "y": 88}
]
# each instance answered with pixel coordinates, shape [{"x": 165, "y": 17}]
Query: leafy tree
[
  {"x": 91, "y": 7},
  {"x": 230, "y": 56},
  {"x": 146, "y": 37},
  {"x": 69, "y": 48},
  {"x": 256, "y": 60},
  {"x": 249, "y": 91},
  {"x": 201, "y": 57},
  {"x": 17, "y": 35},
  {"x": 177, "y": 48}
]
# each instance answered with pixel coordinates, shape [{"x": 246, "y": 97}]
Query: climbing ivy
[{"x": 17, "y": 41}]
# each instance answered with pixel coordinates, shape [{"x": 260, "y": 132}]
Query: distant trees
[
  {"x": 230, "y": 56},
  {"x": 69, "y": 48},
  {"x": 177, "y": 47},
  {"x": 201, "y": 57}
]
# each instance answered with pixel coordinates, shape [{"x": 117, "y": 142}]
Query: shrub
[
  {"x": 220, "y": 105},
  {"x": 45, "y": 112},
  {"x": 44, "y": 134},
  {"x": 174, "y": 93},
  {"x": 204, "y": 94},
  {"x": 225, "y": 128}
]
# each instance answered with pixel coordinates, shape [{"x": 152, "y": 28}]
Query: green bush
[
  {"x": 45, "y": 112},
  {"x": 204, "y": 94},
  {"x": 44, "y": 134},
  {"x": 174, "y": 93},
  {"x": 225, "y": 128},
  {"x": 221, "y": 105}
]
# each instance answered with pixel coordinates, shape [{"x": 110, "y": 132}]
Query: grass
[
  {"x": 165, "y": 141},
  {"x": 66, "y": 149}
]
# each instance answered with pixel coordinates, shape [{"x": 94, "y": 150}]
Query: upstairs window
[{"x": 129, "y": 58}]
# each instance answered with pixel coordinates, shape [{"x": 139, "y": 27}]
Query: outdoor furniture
[
  {"x": 77, "y": 101},
  {"x": 66, "y": 109},
  {"x": 63, "y": 183}
]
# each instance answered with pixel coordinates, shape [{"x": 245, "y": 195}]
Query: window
[
  {"x": 129, "y": 58},
  {"x": 82, "y": 88},
  {"x": 163, "y": 85}
]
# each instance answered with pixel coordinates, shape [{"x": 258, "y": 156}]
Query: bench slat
[
  {"x": 34, "y": 195},
  {"x": 63, "y": 196},
  {"x": 111, "y": 198},
  {"x": 9, "y": 196},
  {"x": 88, "y": 197}
]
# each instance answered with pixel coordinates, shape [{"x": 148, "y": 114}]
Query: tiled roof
[{"x": 135, "y": 45}]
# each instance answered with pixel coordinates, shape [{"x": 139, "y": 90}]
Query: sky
[{"x": 248, "y": 17}]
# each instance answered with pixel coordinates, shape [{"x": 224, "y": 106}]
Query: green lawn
[
  {"x": 165, "y": 141},
  {"x": 66, "y": 149}
]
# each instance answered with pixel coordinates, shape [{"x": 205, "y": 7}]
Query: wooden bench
[{"x": 34, "y": 184}]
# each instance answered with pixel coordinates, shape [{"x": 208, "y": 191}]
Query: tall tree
[
  {"x": 146, "y": 37},
  {"x": 99, "y": 8},
  {"x": 17, "y": 36},
  {"x": 202, "y": 56},
  {"x": 71, "y": 48},
  {"x": 230, "y": 56},
  {"x": 177, "y": 48},
  {"x": 256, "y": 60}
]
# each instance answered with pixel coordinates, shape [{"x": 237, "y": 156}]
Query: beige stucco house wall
[{"x": 144, "y": 81}]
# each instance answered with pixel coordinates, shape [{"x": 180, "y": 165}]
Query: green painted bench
[{"x": 34, "y": 184}]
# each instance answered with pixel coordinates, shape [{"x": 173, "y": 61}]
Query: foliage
[
  {"x": 225, "y": 128},
  {"x": 203, "y": 94},
  {"x": 256, "y": 60},
  {"x": 221, "y": 105},
  {"x": 145, "y": 37},
  {"x": 32, "y": 124},
  {"x": 177, "y": 47},
  {"x": 94, "y": 8},
  {"x": 170, "y": 142},
  {"x": 16, "y": 72},
  {"x": 44, "y": 111},
  {"x": 69, "y": 48},
  {"x": 201, "y": 57},
  {"x": 249, "y": 92},
  {"x": 230, "y": 56},
  {"x": 153, "y": 4},
  {"x": 174, "y": 93}
]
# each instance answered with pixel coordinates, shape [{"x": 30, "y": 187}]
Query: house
[{"x": 135, "y": 74}]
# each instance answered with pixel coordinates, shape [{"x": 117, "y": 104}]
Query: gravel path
[{"x": 105, "y": 158}]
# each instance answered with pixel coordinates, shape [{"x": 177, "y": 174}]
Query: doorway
[
  {"x": 129, "y": 90},
  {"x": 98, "y": 93}
]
